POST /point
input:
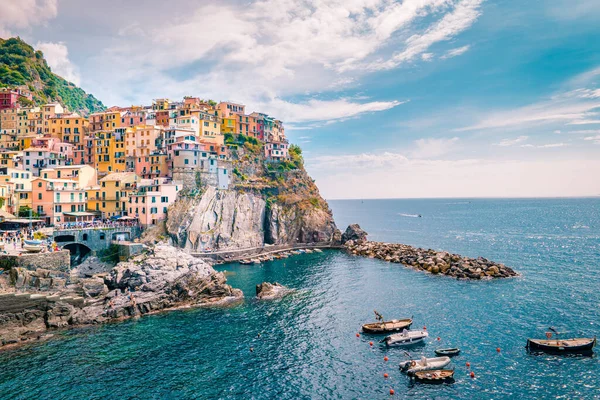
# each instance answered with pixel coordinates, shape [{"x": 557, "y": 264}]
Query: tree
[{"x": 24, "y": 212}]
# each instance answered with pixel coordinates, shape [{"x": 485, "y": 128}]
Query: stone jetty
[{"x": 428, "y": 260}]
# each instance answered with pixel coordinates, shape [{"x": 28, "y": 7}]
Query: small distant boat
[
  {"x": 424, "y": 364},
  {"x": 448, "y": 352},
  {"x": 295, "y": 252},
  {"x": 301, "y": 251},
  {"x": 435, "y": 376},
  {"x": 405, "y": 338},
  {"x": 34, "y": 242},
  {"x": 245, "y": 262},
  {"x": 395, "y": 325},
  {"x": 562, "y": 346},
  {"x": 255, "y": 261},
  {"x": 317, "y": 250},
  {"x": 308, "y": 251}
]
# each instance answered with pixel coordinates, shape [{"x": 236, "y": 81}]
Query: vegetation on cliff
[{"x": 21, "y": 65}]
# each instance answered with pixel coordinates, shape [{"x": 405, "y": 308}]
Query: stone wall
[{"x": 56, "y": 261}]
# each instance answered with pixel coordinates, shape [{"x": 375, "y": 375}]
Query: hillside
[{"x": 21, "y": 65}]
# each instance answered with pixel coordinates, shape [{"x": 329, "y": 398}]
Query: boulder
[
  {"x": 268, "y": 291},
  {"x": 354, "y": 233}
]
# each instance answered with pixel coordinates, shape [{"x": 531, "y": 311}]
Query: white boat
[
  {"x": 424, "y": 364},
  {"x": 317, "y": 250},
  {"x": 405, "y": 338},
  {"x": 32, "y": 248},
  {"x": 308, "y": 251}
]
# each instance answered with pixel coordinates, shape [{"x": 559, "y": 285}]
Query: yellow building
[
  {"x": 229, "y": 125},
  {"x": 109, "y": 148},
  {"x": 7, "y": 159},
  {"x": 111, "y": 196},
  {"x": 71, "y": 128}
]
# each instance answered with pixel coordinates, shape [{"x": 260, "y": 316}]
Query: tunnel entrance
[{"x": 79, "y": 252}]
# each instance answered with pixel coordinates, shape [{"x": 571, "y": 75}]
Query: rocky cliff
[
  {"x": 164, "y": 278},
  {"x": 267, "y": 203}
]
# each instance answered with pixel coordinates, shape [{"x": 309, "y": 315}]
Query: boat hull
[
  {"x": 434, "y": 376},
  {"x": 447, "y": 352},
  {"x": 413, "y": 366},
  {"x": 565, "y": 346},
  {"x": 395, "y": 325}
]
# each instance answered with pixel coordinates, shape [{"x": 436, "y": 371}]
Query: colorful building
[
  {"x": 110, "y": 197},
  {"x": 150, "y": 203}
]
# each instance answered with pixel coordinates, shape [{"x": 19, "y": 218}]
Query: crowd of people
[{"x": 104, "y": 223}]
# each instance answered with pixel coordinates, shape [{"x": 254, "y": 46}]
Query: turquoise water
[{"x": 308, "y": 349}]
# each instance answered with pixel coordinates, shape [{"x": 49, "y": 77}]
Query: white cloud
[
  {"x": 585, "y": 122},
  {"x": 271, "y": 49},
  {"x": 57, "y": 56},
  {"x": 23, "y": 14},
  {"x": 465, "y": 13},
  {"x": 456, "y": 52},
  {"x": 595, "y": 139},
  {"x": 452, "y": 178},
  {"x": 511, "y": 142},
  {"x": 319, "y": 110},
  {"x": 432, "y": 148},
  {"x": 552, "y": 145}
]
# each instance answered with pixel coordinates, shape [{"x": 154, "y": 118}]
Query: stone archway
[{"x": 79, "y": 252}]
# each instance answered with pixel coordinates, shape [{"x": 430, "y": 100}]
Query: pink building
[
  {"x": 276, "y": 150},
  {"x": 51, "y": 198},
  {"x": 150, "y": 202}
]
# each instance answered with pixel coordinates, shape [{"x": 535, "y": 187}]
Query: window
[
  {"x": 164, "y": 199},
  {"x": 58, "y": 208},
  {"x": 85, "y": 237},
  {"x": 102, "y": 236},
  {"x": 165, "y": 210},
  {"x": 58, "y": 197},
  {"x": 39, "y": 196},
  {"x": 186, "y": 161},
  {"x": 40, "y": 185}
]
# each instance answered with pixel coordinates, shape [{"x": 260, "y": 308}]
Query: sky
[{"x": 388, "y": 99}]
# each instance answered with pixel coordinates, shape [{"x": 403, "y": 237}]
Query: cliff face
[{"x": 268, "y": 203}]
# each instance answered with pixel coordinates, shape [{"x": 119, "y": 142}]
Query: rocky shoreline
[
  {"x": 427, "y": 260},
  {"x": 162, "y": 279}
]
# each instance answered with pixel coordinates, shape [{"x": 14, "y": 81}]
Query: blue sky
[{"x": 413, "y": 98}]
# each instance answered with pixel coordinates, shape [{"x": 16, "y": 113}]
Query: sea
[{"x": 304, "y": 346}]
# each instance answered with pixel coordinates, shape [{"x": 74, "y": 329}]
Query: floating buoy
[
  {"x": 468, "y": 364},
  {"x": 424, "y": 328},
  {"x": 370, "y": 343},
  {"x": 358, "y": 335},
  {"x": 385, "y": 375},
  {"x": 438, "y": 338},
  {"x": 472, "y": 374},
  {"x": 385, "y": 358},
  {"x": 392, "y": 392},
  {"x": 498, "y": 349}
]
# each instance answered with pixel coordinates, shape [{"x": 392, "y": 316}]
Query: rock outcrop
[
  {"x": 432, "y": 261},
  {"x": 354, "y": 232},
  {"x": 162, "y": 279},
  {"x": 269, "y": 291},
  {"x": 435, "y": 262}
]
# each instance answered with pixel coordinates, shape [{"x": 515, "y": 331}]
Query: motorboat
[
  {"x": 405, "y": 338},
  {"x": 424, "y": 364}
]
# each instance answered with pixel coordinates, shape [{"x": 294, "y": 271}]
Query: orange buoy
[
  {"x": 472, "y": 374},
  {"x": 392, "y": 392},
  {"x": 385, "y": 375},
  {"x": 385, "y": 358},
  {"x": 468, "y": 364},
  {"x": 358, "y": 335},
  {"x": 438, "y": 338},
  {"x": 424, "y": 328},
  {"x": 370, "y": 343},
  {"x": 498, "y": 349}
]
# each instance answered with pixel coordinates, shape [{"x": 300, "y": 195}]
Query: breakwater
[{"x": 432, "y": 261}]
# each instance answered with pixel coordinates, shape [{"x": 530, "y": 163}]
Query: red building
[{"x": 9, "y": 98}]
